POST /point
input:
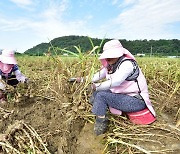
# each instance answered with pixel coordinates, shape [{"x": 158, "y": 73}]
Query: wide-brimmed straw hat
[
  {"x": 114, "y": 49},
  {"x": 7, "y": 57}
]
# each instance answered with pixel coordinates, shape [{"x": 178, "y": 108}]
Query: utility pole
[{"x": 151, "y": 51}]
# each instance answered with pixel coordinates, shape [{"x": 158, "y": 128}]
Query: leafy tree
[{"x": 165, "y": 47}]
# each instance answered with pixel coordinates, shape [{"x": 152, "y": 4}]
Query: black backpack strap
[
  {"x": 133, "y": 76},
  {"x": 138, "y": 86}
]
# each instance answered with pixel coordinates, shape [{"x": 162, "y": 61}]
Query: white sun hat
[
  {"x": 114, "y": 49},
  {"x": 7, "y": 57}
]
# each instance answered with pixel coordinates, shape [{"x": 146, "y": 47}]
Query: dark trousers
[{"x": 11, "y": 81}]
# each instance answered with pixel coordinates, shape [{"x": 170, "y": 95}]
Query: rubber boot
[{"x": 100, "y": 126}]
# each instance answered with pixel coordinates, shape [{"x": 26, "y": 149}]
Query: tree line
[{"x": 149, "y": 47}]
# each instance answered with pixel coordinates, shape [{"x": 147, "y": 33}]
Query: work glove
[
  {"x": 2, "y": 86},
  {"x": 26, "y": 81},
  {"x": 91, "y": 88},
  {"x": 21, "y": 78},
  {"x": 2, "y": 93}
]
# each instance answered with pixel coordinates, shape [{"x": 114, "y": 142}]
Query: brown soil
[
  {"x": 62, "y": 126},
  {"x": 64, "y": 135},
  {"x": 87, "y": 142},
  {"x": 54, "y": 124}
]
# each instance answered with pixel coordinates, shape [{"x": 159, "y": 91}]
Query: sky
[{"x": 27, "y": 23}]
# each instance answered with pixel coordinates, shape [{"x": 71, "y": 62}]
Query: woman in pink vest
[
  {"x": 9, "y": 71},
  {"x": 125, "y": 89}
]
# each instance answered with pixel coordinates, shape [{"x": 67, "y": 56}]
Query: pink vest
[{"x": 131, "y": 88}]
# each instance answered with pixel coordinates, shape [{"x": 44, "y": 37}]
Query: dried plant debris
[{"x": 21, "y": 138}]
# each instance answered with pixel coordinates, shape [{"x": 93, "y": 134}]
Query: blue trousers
[{"x": 101, "y": 100}]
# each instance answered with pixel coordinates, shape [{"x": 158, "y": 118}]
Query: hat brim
[
  {"x": 8, "y": 60},
  {"x": 112, "y": 53}
]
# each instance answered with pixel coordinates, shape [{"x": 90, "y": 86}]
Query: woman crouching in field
[
  {"x": 125, "y": 89},
  {"x": 9, "y": 71}
]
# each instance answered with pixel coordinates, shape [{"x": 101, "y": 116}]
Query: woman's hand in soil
[
  {"x": 21, "y": 78},
  {"x": 78, "y": 79},
  {"x": 91, "y": 87},
  {"x": 26, "y": 81}
]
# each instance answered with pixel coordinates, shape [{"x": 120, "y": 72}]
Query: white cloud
[
  {"x": 114, "y": 2},
  {"x": 147, "y": 19},
  {"x": 54, "y": 28},
  {"x": 22, "y": 2},
  {"x": 138, "y": 19},
  {"x": 13, "y": 24},
  {"x": 47, "y": 24},
  {"x": 55, "y": 9},
  {"x": 128, "y": 2},
  {"x": 53, "y": 23}
]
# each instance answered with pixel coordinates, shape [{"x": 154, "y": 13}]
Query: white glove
[
  {"x": 2, "y": 86},
  {"x": 20, "y": 77}
]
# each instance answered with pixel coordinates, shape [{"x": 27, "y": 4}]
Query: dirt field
[
  {"x": 63, "y": 132},
  {"x": 51, "y": 116}
]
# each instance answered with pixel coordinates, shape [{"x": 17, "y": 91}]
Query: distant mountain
[
  {"x": 65, "y": 42},
  {"x": 156, "y": 47}
]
